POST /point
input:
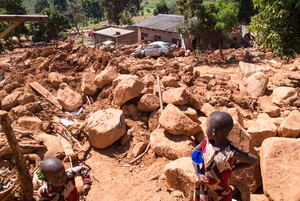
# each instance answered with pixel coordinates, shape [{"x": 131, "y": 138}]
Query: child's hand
[
  {"x": 202, "y": 178},
  {"x": 86, "y": 189}
]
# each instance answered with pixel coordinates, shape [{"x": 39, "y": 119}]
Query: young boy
[
  {"x": 60, "y": 183},
  {"x": 220, "y": 158}
]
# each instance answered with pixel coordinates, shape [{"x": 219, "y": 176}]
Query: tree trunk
[
  {"x": 23, "y": 172},
  {"x": 220, "y": 48}
]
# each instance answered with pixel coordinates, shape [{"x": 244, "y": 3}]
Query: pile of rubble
[{"x": 73, "y": 94}]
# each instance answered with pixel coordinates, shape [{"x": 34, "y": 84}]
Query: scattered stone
[
  {"x": 190, "y": 112},
  {"x": 262, "y": 129},
  {"x": 29, "y": 123},
  {"x": 169, "y": 81},
  {"x": 138, "y": 149},
  {"x": 175, "y": 96},
  {"x": 280, "y": 161},
  {"x": 105, "y": 77},
  {"x": 177, "y": 123},
  {"x": 25, "y": 98},
  {"x": 258, "y": 197},
  {"x": 10, "y": 100},
  {"x": 149, "y": 80},
  {"x": 281, "y": 95},
  {"x": 170, "y": 146},
  {"x": 103, "y": 133},
  {"x": 290, "y": 127},
  {"x": 257, "y": 84},
  {"x": 180, "y": 175},
  {"x": 248, "y": 68},
  {"x": 148, "y": 103},
  {"x": 207, "y": 109},
  {"x": 153, "y": 120},
  {"x": 87, "y": 84},
  {"x": 69, "y": 99},
  {"x": 56, "y": 79},
  {"x": 127, "y": 89}
]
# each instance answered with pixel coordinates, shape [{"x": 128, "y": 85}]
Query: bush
[{"x": 62, "y": 36}]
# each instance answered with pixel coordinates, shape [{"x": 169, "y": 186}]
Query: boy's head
[
  {"x": 218, "y": 126},
  {"x": 54, "y": 171}
]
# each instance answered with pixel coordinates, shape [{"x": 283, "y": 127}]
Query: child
[
  {"x": 220, "y": 158},
  {"x": 59, "y": 184}
]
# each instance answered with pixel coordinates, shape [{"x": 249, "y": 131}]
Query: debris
[{"x": 44, "y": 92}]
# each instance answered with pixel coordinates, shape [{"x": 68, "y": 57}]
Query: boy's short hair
[
  {"x": 51, "y": 164},
  {"x": 221, "y": 121}
]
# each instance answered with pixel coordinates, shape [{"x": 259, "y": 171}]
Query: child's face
[
  {"x": 58, "y": 178},
  {"x": 210, "y": 132}
]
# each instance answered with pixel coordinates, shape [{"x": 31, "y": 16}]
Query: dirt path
[{"x": 113, "y": 180}]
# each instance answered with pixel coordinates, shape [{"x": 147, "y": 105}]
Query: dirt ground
[{"x": 113, "y": 177}]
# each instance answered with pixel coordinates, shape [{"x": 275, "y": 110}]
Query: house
[
  {"x": 114, "y": 35},
  {"x": 161, "y": 28}
]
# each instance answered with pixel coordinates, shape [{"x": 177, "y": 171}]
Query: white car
[{"x": 155, "y": 49}]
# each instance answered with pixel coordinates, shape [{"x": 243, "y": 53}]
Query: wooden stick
[
  {"x": 159, "y": 94},
  {"x": 140, "y": 156},
  {"x": 23, "y": 172}
]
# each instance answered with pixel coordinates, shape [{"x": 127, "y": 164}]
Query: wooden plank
[
  {"x": 24, "y": 18},
  {"x": 47, "y": 94},
  {"x": 9, "y": 29}
]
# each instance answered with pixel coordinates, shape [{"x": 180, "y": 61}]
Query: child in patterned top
[
  {"x": 59, "y": 184},
  {"x": 220, "y": 157}
]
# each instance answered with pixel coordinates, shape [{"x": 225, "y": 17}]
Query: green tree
[
  {"x": 114, "y": 9},
  {"x": 40, "y": 5},
  {"x": 76, "y": 15},
  {"x": 92, "y": 9},
  {"x": 61, "y": 5},
  {"x": 161, "y": 8},
  {"x": 207, "y": 21},
  {"x": 246, "y": 11},
  {"x": 50, "y": 30},
  {"x": 278, "y": 26},
  {"x": 13, "y": 7}
]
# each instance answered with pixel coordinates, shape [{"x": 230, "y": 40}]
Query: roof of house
[
  {"x": 113, "y": 32},
  {"x": 162, "y": 22}
]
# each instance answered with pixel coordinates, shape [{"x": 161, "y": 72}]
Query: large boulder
[
  {"x": 69, "y": 99},
  {"x": 169, "y": 81},
  {"x": 87, "y": 84},
  {"x": 56, "y": 79},
  {"x": 284, "y": 95},
  {"x": 177, "y": 123},
  {"x": 148, "y": 103},
  {"x": 10, "y": 100},
  {"x": 105, "y": 77},
  {"x": 52, "y": 142},
  {"x": 170, "y": 146},
  {"x": 257, "y": 84},
  {"x": 104, "y": 127},
  {"x": 247, "y": 180},
  {"x": 280, "y": 162},
  {"x": 180, "y": 174},
  {"x": 127, "y": 89},
  {"x": 29, "y": 123},
  {"x": 175, "y": 96},
  {"x": 290, "y": 127},
  {"x": 262, "y": 129}
]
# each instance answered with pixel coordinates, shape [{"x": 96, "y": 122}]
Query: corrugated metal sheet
[{"x": 162, "y": 22}]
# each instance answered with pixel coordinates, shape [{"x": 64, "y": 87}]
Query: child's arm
[
  {"x": 244, "y": 160},
  {"x": 84, "y": 172}
]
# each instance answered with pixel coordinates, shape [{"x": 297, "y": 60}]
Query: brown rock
[
  {"x": 138, "y": 149},
  {"x": 207, "y": 109},
  {"x": 280, "y": 161},
  {"x": 177, "y": 123},
  {"x": 257, "y": 84},
  {"x": 175, "y": 96},
  {"x": 87, "y": 84},
  {"x": 26, "y": 98},
  {"x": 105, "y": 77},
  {"x": 56, "y": 79},
  {"x": 170, "y": 146},
  {"x": 69, "y": 99},
  {"x": 180, "y": 175},
  {"x": 148, "y": 103},
  {"x": 169, "y": 81},
  {"x": 10, "y": 100},
  {"x": 290, "y": 127}
]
